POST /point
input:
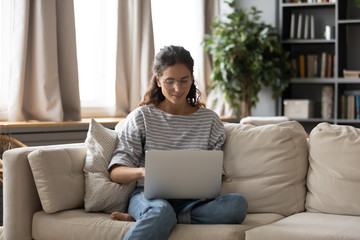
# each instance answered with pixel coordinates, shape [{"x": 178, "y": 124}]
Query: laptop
[{"x": 183, "y": 174}]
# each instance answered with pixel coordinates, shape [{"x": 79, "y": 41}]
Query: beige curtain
[
  {"x": 135, "y": 53},
  {"x": 211, "y": 8},
  {"x": 43, "y": 68}
]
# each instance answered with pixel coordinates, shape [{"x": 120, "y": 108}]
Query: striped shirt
[{"x": 148, "y": 127}]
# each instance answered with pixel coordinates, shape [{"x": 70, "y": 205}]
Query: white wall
[
  {"x": 269, "y": 9},
  {"x": 266, "y": 105}
]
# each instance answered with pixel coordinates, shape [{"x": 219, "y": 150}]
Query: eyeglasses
[{"x": 170, "y": 84}]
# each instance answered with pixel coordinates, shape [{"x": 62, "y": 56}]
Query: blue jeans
[{"x": 156, "y": 217}]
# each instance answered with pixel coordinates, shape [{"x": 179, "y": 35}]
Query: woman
[{"x": 170, "y": 117}]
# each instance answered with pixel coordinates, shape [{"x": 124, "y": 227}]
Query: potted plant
[{"x": 247, "y": 54}]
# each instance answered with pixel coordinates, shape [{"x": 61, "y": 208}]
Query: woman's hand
[{"x": 124, "y": 174}]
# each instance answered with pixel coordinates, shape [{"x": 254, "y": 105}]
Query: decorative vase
[{"x": 327, "y": 102}]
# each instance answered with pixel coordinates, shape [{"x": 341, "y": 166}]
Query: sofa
[{"x": 297, "y": 187}]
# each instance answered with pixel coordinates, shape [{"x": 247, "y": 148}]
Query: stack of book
[
  {"x": 350, "y": 105},
  {"x": 302, "y": 27},
  {"x": 314, "y": 65}
]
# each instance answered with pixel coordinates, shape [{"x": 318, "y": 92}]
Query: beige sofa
[{"x": 296, "y": 188}]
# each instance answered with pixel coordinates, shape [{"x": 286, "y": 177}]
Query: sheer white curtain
[{"x": 5, "y": 13}]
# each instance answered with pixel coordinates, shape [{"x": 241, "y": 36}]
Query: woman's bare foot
[{"x": 121, "y": 217}]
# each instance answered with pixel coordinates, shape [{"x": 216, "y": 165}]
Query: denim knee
[
  {"x": 155, "y": 220},
  {"x": 225, "y": 209},
  {"x": 163, "y": 209},
  {"x": 237, "y": 207},
  {"x": 162, "y": 212}
]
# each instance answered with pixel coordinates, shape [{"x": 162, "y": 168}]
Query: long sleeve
[{"x": 129, "y": 151}]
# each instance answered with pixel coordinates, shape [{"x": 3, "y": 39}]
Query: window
[
  {"x": 96, "y": 25},
  {"x": 96, "y": 33},
  {"x": 178, "y": 22}
]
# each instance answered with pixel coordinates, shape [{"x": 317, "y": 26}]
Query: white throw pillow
[
  {"x": 101, "y": 194},
  {"x": 267, "y": 165},
  {"x": 334, "y": 173},
  {"x": 59, "y": 178}
]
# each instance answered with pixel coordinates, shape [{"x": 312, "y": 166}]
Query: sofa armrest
[{"x": 21, "y": 199}]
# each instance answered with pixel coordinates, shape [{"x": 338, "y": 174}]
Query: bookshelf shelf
[
  {"x": 316, "y": 120},
  {"x": 302, "y": 5},
  {"x": 349, "y": 81},
  {"x": 320, "y": 58},
  {"x": 313, "y": 80},
  {"x": 348, "y": 121},
  {"x": 308, "y": 41},
  {"x": 351, "y": 21}
]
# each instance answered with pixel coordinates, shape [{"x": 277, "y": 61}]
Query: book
[
  {"x": 312, "y": 27},
  {"x": 306, "y": 27},
  {"x": 316, "y": 65},
  {"x": 343, "y": 107},
  {"x": 292, "y": 26},
  {"x": 329, "y": 65},
  {"x": 299, "y": 28},
  {"x": 323, "y": 65},
  {"x": 351, "y": 107},
  {"x": 357, "y": 106},
  {"x": 334, "y": 66},
  {"x": 310, "y": 65},
  {"x": 302, "y": 65}
]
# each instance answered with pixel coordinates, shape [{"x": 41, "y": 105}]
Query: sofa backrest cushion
[
  {"x": 101, "y": 194},
  {"x": 59, "y": 177},
  {"x": 267, "y": 165},
  {"x": 334, "y": 171}
]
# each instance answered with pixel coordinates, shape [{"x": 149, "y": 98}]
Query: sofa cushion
[
  {"x": 78, "y": 224},
  {"x": 267, "y": 165},
  {"x": 101, "y": 194},
  {"x": 222, "y": 231},
  {"x": 59, "y": 177},
  {"x": 314, "y": 226},
  {"x": 334, "y": 172}
]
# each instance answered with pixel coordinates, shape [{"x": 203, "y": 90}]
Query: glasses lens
[{"x": 170, "y": 84}]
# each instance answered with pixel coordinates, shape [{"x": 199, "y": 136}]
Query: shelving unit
[{"x": 344, "y": 18}]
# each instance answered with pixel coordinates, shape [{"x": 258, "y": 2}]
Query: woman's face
[{"x": 175, "y": 83}]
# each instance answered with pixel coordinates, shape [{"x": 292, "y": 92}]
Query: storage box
[
  {"x": 298, "y": 108},
  {"x": 351, "y": 74}
]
